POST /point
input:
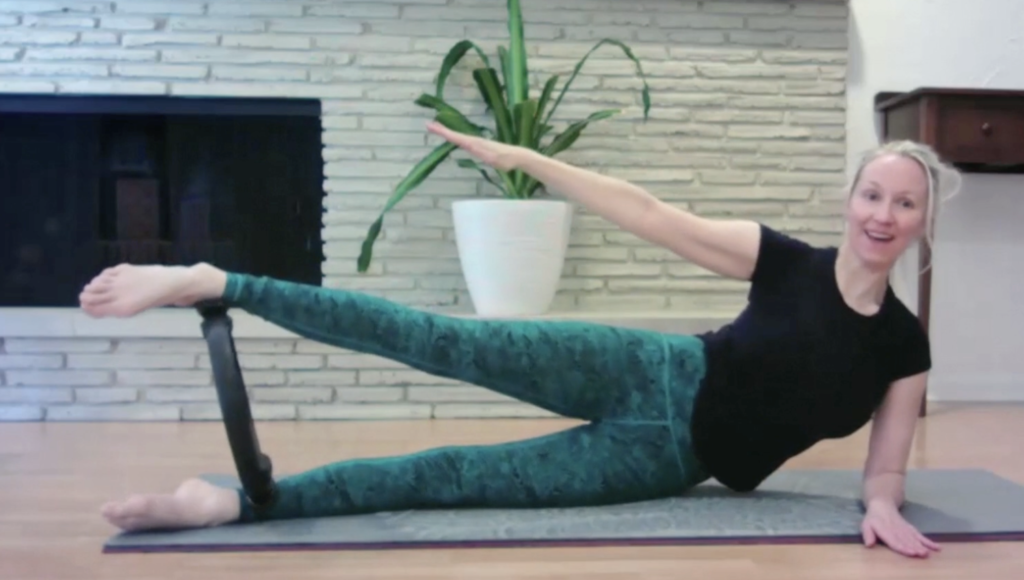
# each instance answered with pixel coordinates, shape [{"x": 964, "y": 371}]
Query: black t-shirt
[{"x": 797, "y": 366}]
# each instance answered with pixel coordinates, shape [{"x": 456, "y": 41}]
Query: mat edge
[{"x": 653, "y": 542}]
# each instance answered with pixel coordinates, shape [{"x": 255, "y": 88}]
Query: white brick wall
[
  {"x": 170, "y": 379},
  {"x": 748, "y": 113}
]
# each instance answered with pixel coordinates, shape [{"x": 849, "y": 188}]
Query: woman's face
[{"x": 886, "y": 211}]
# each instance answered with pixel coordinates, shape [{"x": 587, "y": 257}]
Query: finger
[
  {"x": 931, "y": 544},
  {"x": 468, "y": 143},
  {"x": 915, "y": 546},
  {"x": 448, "y": 134},
  {"x": 906, "y": 537},
  {"x": 906, "y": 548},
  {"x": 440, "y": 129},
  {"x": 901, "y": 537},
  {"x": 437, "y": 127},
  {"x": 914, "y": 549},
  {"x": 869, "y": 536},
  {"x": 918, "y": 539},
  {"x": 899, "y": 542},
  {"x": 445, "y": 133},
  {"x": 894, "y": 542}
]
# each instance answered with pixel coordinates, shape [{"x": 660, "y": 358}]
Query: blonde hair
[{"x": 944, "y": 180}]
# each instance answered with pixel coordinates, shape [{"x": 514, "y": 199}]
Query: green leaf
[
  {"x": 566, "y": 138},
  {"x": 524, "y": 115},
  {"x": 415, "y": 177},
  {"x": 544, "y": 130},
  {"x": 645, "y": 93},
  {"x": 449, "y": 116},
  {"x": 506, "y": 68},
  {"x": 530, "y": 188},
  {"x": 490, "y": 88},
  {"x": 471, "y": 164},
  {"x": 517, "y": 79},
  {"x": 453, "y": 57},
  {"x": 524, "y": 118},
  {"x": 545, "y": 96},
  {"x": 456, "y": 122}
]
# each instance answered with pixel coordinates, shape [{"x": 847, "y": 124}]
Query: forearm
[
  {"x": 884, "y": 489},
  {"x": 616, "y": 200}
]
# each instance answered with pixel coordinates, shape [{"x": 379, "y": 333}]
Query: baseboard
[{"x": 969, "y": 388}]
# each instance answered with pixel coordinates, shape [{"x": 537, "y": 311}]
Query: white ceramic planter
[{"x": 512, "y": 252}]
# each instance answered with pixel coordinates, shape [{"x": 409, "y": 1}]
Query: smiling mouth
[{"x": 879, "y": 237}]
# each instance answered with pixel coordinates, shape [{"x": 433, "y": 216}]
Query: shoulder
[
  {"x": 908, "y": 346},
  {"x": 779, "y": 255}
]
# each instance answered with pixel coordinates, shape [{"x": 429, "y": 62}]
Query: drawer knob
[{"x": 986, "y": 128}]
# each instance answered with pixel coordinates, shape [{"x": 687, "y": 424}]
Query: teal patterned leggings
[{"x": 633, "y": 388}]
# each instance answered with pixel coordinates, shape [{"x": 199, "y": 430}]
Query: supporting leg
[{"x": 598, "y": 463}]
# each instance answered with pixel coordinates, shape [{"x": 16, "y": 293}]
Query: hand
[
  {"x": 885, "y": 523},
  {"x": 500, "y": 156}
]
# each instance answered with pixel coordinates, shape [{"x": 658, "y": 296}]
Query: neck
[{"x": 862, "y": 286}]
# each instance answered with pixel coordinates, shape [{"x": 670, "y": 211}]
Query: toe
[
  {"x": 114, "y": 513},
  {"x": 107, "y": 511}
]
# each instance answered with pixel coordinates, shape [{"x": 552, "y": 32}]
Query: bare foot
[
  {"x": 126, "y": 290},
  {"x": 195, "y": 504}
]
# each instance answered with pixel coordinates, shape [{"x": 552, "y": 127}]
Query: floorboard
[{"x": 54, "y": 477}]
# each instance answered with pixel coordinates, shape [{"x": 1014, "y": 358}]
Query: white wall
[{"x": 976, "y": 313}]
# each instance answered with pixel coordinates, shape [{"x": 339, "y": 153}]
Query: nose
[{"x": 883, "y": 213}]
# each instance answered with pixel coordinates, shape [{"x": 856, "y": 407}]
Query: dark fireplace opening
[{"x": 91, "y": 182}]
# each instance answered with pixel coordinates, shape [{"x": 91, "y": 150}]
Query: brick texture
[
  {"x": 149, "y": 379},
  {"x": 748, "y": 113}
]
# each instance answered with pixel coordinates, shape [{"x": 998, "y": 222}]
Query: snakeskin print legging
[{"x": 633, "y": 388}]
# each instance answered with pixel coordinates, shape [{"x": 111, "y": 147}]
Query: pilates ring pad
[{"x": 255, "y": 470}]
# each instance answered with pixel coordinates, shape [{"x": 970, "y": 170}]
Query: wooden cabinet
[{"x": 977, "y": 130}]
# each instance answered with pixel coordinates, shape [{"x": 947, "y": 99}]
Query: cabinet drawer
[
  {"x": 978, "y": 130},
  {"x": 981, "y": 130}
]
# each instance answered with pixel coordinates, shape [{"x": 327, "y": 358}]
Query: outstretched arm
[
  {"x": 892, "y": 434},
  {"x": 726, "y": 247}
]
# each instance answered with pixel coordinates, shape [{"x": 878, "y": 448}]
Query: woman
[{"x": 822, "y": 347}]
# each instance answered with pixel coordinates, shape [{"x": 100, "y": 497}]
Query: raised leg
[{"x": 576, "y": 369}]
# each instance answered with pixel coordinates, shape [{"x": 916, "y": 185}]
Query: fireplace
[{"x": 90, "y": 182}]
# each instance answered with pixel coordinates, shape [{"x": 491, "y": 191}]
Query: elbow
[
  {"x": 648, "y": 212},
  {"x": 656, "y": 221}
]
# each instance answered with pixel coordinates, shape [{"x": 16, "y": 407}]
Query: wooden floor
[{"x": 53, "y": 477}]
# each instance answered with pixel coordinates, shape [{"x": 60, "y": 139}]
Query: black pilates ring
[{"x": 255, "y": 470}]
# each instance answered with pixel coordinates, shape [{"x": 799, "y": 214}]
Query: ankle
[{"x": 208, "y": 281}]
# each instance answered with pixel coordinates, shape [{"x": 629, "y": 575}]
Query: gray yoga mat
[{"x": 792, "y": 506}]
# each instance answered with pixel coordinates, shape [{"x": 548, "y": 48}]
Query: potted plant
[{"x": 511, "y": 248}]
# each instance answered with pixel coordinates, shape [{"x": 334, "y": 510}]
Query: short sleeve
[
  {"x": 914, "y": 356},
  {"x": 778, "y": 256}
]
